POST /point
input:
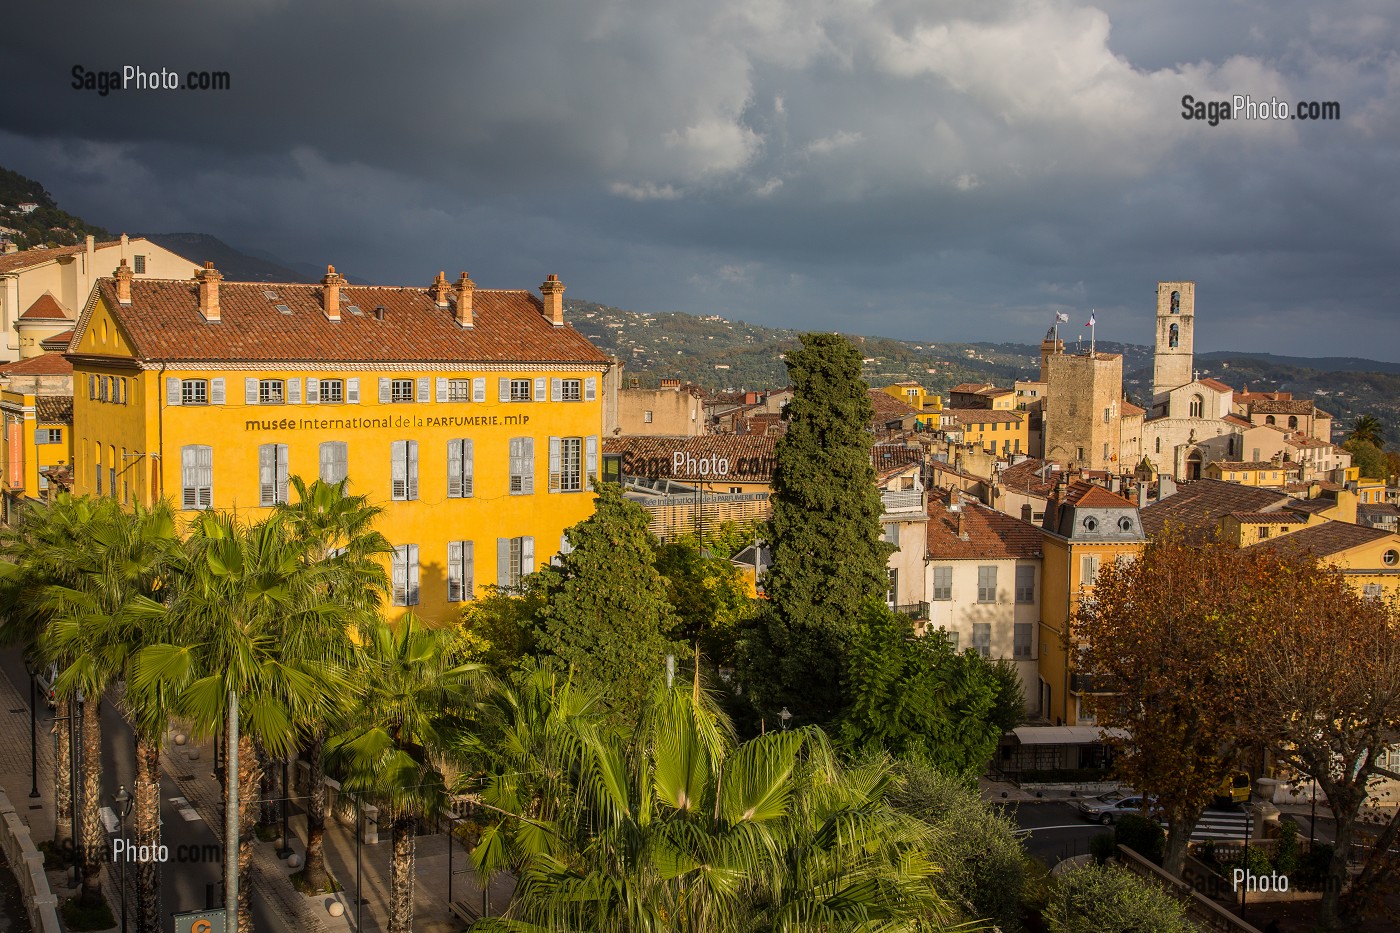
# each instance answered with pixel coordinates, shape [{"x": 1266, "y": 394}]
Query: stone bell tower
[{"x": 1176, "y": 326}]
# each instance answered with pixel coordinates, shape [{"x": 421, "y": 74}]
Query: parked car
[
  {"x": 1109, "y": 808},
  {"x": 45, "y": 678},
  {"x": 1234, "y": 788}
]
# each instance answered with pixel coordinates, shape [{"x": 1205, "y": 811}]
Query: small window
[
  {"x": 1391, "y": 558},
  {"x": 1157, "y": 446},
  {"x": 403, "y": 470},
  {"x": 194, "y": 392},
  {"x": 1263, "y": 532},
  {"x": 334, "y": 462},
  {"x": 459, "y": 390},
  {"x": 140, "y": 265},
  {"x": 196, "y": 477},
  {"x": 942, "y": 583},
  {"x": 565, "y": 464},
  {"x": 951, "y": 637},
  {"x": 987, "y": 584},
  {"x": 272, "y": 474},
  {"x": 1025, "y": 583},
  {"x": 460, "y": 571},
  {"x": 1125, "y": 524},
  {"x": 1021, "y": 640},
  {"x": 1091, "y": 523},
  {"x": 48, "y": 436},
  {"x": 892, "y": 593},
  {"x": 522, "y": 466},
  {"x": 1088, "y": 569},
  {"x": 331, "y": 391},
  {"x": 571, "y": 390},
  {"x": 520, "y": 390},
  {"x": 1372, "y": 591},
  {"x": 460, "y": 472},
  {"x": 405, "y": 575},
  {"x": 271, "y": 391},
  {"x": 982, "y": 638},
  {"x": 401, "y": 390},
  {"x": 647, "y": 417},
  {"x": 515, "y": 560}
]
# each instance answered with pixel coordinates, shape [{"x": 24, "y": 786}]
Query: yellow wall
[
  {"x": 995, "y": 435},
  {"x": 1367, "y": 565},
  {"x": 1272, "y": 476},
  {"x": 916, "y": 396},
  {"x": 152, "y": 433},
  {"x": 19, "y": 410}
]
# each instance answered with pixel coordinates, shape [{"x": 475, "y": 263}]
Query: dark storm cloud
[{"x": 933, "y": 170}]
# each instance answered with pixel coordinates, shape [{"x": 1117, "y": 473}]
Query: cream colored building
[
  {"x": 904, "y": 520},
  {"x": 674, "y": 410}
]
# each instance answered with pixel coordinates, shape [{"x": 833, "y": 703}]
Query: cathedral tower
[{"x": 1176, "y": 324}]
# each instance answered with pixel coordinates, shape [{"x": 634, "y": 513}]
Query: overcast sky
[{"x": 913, "y": 168}]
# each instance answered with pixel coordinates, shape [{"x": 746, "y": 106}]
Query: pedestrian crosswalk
[
  {"x": 1221, "y": 824},
  {"x": 187, "y": 812}
]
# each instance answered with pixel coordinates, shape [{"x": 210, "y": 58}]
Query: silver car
[{"x": 1109, "y": 808}]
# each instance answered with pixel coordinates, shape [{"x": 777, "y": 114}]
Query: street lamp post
[
  {"x": 1312, "y": 820},
  {"x": 33, "y": 736},
  {"x": 286, "y": 849},
  {"x": 785, "y": 716},
  {"x": 123, "y": 801}
]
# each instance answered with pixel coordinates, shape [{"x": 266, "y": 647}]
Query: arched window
[
  {"x": 1176, "y": 303},
  {"x": 1157, "y": 446},
  {"x": 1198, "y": 406},
  {"x": 1292, "y": 421},
  {"x": 1270, "y": 420},
  {"x": 1173, "y": 336}
]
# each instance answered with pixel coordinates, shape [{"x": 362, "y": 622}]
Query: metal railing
[{"x": 904, "y": 500}]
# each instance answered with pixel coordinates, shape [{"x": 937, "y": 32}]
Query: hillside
[
  {"x": 44, "y": 224},
  {"x": 720, "y": 354},
  {"x": 235, "y": 265}
]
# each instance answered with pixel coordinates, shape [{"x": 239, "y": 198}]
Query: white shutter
[
  {"x": 539, "y": 388},
  {"x": 293, "y": 391},
  {"x": 398, "y": 470},
  {"x": 454, "y": 469},
  {"x": 189, "y": 470},
  {"x": 313, "y": 390},
  {"x": 250, "y": 390},
  {"x": 216, "y": 391},
  {"x": 468, "y": 468},
  {"x": 503, "y": 389},
  {"x": 421, "y": 390},
  {"x": 352, "y": 390},
  {"x": 527, "y": 445},
  {"x": 556, "y": 390},
  {"x": 413, "y": 574},
  {"x": 454, "y": 571},
  {"x": 172, "y": 390},
  {"x": 413, "y": 470},
  {"x": 479, "y": 389},
  {"x": 204, "y": 458},
  {"x": 267, "y": 454},
  {"x": 281, "y": 472},
  {"x": 591, "y": 463},
  {"x": 383, "y": 390},
  {"x": 527, "y": 556},
  {"x": 590, "y": 389},
  {"x": 441, "y": 389},
  {"x": 554, "y": 466},
  {"x": 92, "y": 387},
  {"x": 503, "y": 563},
  {"x": 400, "y": 575},
  {"x": 468, "y": 570}
]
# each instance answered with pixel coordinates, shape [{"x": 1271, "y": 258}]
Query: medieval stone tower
[{"x": 1176, "y": 326}]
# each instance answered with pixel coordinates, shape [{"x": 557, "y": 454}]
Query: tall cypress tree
[{"x": 829, "y": 558}]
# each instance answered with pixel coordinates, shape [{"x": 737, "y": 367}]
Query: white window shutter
[
  {"x": 250, "y": 390},
  {"x": 454, "y": 469},
  {"x": 527, "y": 556},
  {"x": 590, "y": 389},
  {"x": 188, "y": 470},
  {"x": 172, "y": 390},
  {"x": 556, "y": 390},
  {"x": 468, "y": 570},
  {"x": 281, "y": 472},
  {"x": 384, "y": 390},
  {"x": 468, "y": 470},
  {"x": 554, "y": 467},
  {"x": 352, "y": 390},
  {"x": 503, "y": 563},
  {"x": 266, "y": 476},
  {"x": 216, "y": 391},
  {"x": 294, "y": 391},
  {"x": 413, "y": 574},
  {"x": 479, "y": 389},
  {"x": 539, "y": 388},
  {"x": 422, "y": 389},
  {"x": 398, "y": 469},
  {"x": 590, "y": 444},
  {"x": 441, "y": 389},
  {"x": 205, "y": 460},
  {"x": 313, "y": 390},
  {"x": 400, "y": 575},
  {"x": 413, "y": 470},
  {"x": 503, "y": 387},
  {"x": 527, "y": 445},
  {"x": 454, "y": 571}
]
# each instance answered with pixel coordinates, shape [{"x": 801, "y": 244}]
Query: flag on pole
[
  {"x": 1091, "y": 320},
  {"x": 1061, "y": 317}
]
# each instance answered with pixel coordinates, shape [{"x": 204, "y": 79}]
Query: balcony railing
[
  {"x": 904, "y": 500},
  {"x": 916, "y": 611}
]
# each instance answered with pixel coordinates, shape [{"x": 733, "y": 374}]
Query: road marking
[
  {"x": 187, "y": 812},
  {"x": 1035, "y": 829}
]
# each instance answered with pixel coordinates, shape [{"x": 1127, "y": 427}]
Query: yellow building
[
  {"x": 471, "y": 415},
  {"x": 1085, "y": 527},
  {"x": 1368, "y": 557},
  {"x": 996, "y": 430},
  {"x": 1253, "y": 473},
  {"x": 917, "y": 397},
  {"x": 37, "y": 404}
]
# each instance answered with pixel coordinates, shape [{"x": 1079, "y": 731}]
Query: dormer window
[
  {"x": 1091, "y": 523},
  {"x": 1125, "y": 524}
]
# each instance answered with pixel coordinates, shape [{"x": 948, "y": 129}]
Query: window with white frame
[
  {"x": 987, "y": 584},
  {"x": 405, "y": 575},
  {"x": 1021, "y": 640},
  {"x": 892, "y": 533},
  {"x": 982, "y": 638},
  {"x": 194, "y": 392},
  {"x": 335, "y": 461},
  {"x": 516, "y": 390},
  {"x": 48, "y": 436},
  {"x": 565, "y": 464},
  {"x": 951, "y": 637},
  {"x": 325, "y": 391},
  {"x": 942, "y": 583},
  {"x": 1088, "y": 569},
  {"x": 566, "y": 390},
  {"x": 272, "y": 474},
  {"x": 892, "y": 592},
  {"x": 459, "y": 468},
  {"x": 271, "y": 391},
  {"x": 400, "y": 390},
  {"x": 1025, "y": 583},
  {"x": 196, "y": 476},
  {"x": 461, "y": 584},
  {"x": 139, "y": 265},
  {"x": 522, "y": 466},
  {"x": 515, "y": 560},
  {"x": 459, "y": 390},
  {"x": 403, "y": 456}
]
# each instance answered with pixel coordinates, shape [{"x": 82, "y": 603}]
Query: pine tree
[
  {"x": 828, "y": 556},
  {"x": 606, "y": 612}
]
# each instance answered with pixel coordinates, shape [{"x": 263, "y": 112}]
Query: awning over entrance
[{"x": 1065, "y": 735}]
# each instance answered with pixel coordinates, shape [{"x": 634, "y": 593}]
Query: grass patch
[
  {"x": 78, "y": 917},
  {"x": 299, "y": 882}
]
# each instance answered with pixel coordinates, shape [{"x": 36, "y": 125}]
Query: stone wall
[{"x": 27, "y": 862}]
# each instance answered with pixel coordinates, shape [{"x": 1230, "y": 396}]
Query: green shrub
[
  {"x": 1255, "y": 862},
  {"x": 1286, "y": 855},
  {"x": 1312, "y": 867},
  {"x": 1102, "y": 847},
  {"x": 1143, "y": 836},
  {"x": 1109, "y": 898}
]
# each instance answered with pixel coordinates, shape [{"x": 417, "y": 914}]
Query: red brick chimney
[
  {"x": 465, "y": 288},
  {"x": 123, "y": 275},
  {"x": 553, "y": 291},
  {"x": 330, "y": 294},
  {"x": 439, "y": 290},
  {"x": 209, "y": 279}
]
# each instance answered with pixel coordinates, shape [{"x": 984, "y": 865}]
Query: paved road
[
  {"x": 184, "y": 886},
  {"x": 1056, "y": 830}
]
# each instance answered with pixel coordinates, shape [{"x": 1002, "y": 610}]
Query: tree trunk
[
  {"x": 94, "y": 837},
  {"x": 267, "y": 787},
  {"x": 315, "y": 873},
  {"x": 146, "y": 827},
  {"x": 249, "y": 783},
  {"x": 401, "y": 876},
  {"x": 63, "y": 777},
  {"x": 1179, "y": 828},
  {"x": 1345, "y": 802}
]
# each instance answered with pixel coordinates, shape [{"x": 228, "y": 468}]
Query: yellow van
[{"x": 1234, "y": 788}]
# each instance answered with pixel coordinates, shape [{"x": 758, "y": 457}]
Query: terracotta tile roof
[
  {"x": 57, "y": 341},
  {"x": 28, "y": 258},
  {"x": 1197, "y": 507},
  {"x": 940, "y": 466},
  {"x": 1286, "y": 407},
  {"x": 163, "y": 323},
  {"x": 749, "y": 457},
  {"x": 1128, "y": 409},
  {"x": 970, "y": 388},
  {"x": 984, "y": 416},
  {"x": 1325, "y": 539},
  {"x": 1305, "y": 442},
  {"x": 892, "y": 456},
  {"x": 45, "y": 364},
  {"x": 990, "y": 534},
  {"x": 53, "y": 409},
  {"x": 1243, "y": 465},
  {"x": 1313, "y": 506},
  {"x": 1281, "y": 517},
  {"x": 1215, "y": 384},
  {"x": 1378, "y": 509},
  {"x": 1246, "y": 397},
  {"x": 1092, "y": 496},
  {"x": 1026, "y": 477},
  {"x": 888, "y": 408},
  {"x": 46, "y": 306},
  {"x": 1237, "y": 420}
]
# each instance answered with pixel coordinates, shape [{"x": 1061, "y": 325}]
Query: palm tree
[
  {"x": 335, "y": 529},
  {"x": 260, "y": 647},
  {"x": 413, "y": 697},
  {"x": 1366, "y": 428},
  {"x": 671, "y": 825}
]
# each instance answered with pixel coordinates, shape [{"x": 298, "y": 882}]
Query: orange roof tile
[
  {"x": 1128, "y": 409},
  {"x": 57, "y": 341},
  {"x": 1215, "y": 384},
  {"x": 989, "y": 533},
  {"x": 984, "y": 415},
  {"x": 45, "y": 307},
  {"x": 1325, "y": 539},
  {"x": 45, "y": 364}
]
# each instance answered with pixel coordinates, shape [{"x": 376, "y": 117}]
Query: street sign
[{"x": 200, "y": 921}]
